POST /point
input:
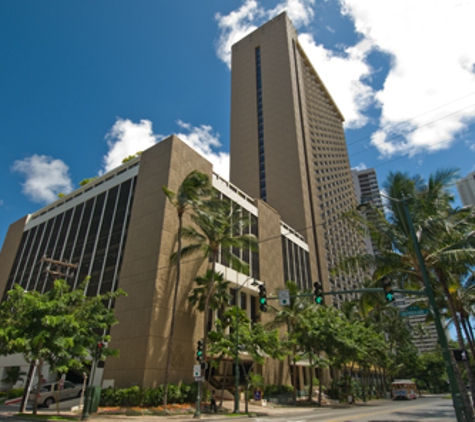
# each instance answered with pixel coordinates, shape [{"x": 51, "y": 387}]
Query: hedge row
[{"x": 148, "y": 397}]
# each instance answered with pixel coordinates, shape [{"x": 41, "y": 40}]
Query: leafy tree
[
  {"x": 60, "y": 327},
  {"x": 194, "y": 187},
  {"x": 219, "y": 227},
  {"x": 293, "y": 317},
  {"x": 219, "y": 298},
  {"x": 431, "y": 374},
  {"x": 13, "y": 375},
  {"x": 254, "y": 339}
]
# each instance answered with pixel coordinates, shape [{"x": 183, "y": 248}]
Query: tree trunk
[
  {"x": 363, "y": 387},
  {"x": 310, "y": 384},
  {"x": 29, "y": 380},
  {"x": 40, "y": 383},
  {"x": 206, "y": 308},
  {"x": 465, "y": 324},
  {"x": 294, "y": 372},
  {"x": 173, "y": 316},
  {"x": 223, "y": 383},
  {"x": 462, "y": 389},
  {"x": 319, "y": 387}
]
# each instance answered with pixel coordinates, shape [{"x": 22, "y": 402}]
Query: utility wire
[{"x": 413, "y": 118}]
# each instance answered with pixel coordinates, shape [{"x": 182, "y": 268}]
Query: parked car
[{"x": 54, "y": 392}]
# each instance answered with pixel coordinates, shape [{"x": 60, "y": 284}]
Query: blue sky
[{"x": 83, "y": 83}]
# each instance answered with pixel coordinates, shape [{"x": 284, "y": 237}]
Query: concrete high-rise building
[
  {"x": 367, "y": 187},
  {"x": 367, "y": 190},
  {"x": 466, "y": 189},
  {"x": 120, "y": 230},
  {"x": 288, "y": 146}
]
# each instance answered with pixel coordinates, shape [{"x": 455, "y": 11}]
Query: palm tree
[
  {"x": 194, "y": 187},
  {"x": 219, "y": 229},
  {"x": 445, "y": 234}
]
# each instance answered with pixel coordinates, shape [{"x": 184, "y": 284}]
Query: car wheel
[{"x": 48, "y": 402}]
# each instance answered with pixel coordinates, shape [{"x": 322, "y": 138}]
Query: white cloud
[
  {"x": 203, "y": 140},
  {"x": 342, "y": 76},
  {"x": 359, "y": 167},
  {"x": 431, "y": 43},
  {"x": 45, "y": 177},
  {"x": 237, "y": 24},
  {"x": 428, "y": 96},
  {"x": 127, "y": 138}
]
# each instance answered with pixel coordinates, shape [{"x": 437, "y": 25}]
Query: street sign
[
  {"x": 284, "y": 298},
  {"x": 199, "y": 379},
  {"x": 460, "y": 355},
  {"x": 196, "y": 370},
  {"x": 413, "y": 310}
]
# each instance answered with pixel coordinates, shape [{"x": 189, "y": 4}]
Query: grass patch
[{"x": 47, "y": 417}]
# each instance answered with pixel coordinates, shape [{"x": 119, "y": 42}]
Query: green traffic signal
[
  {"x": 199, "y": 351},
  {"x": 388, "y": 290},
  {"x": 263, "y": 298},
  {"x": 318, "y": 292}
]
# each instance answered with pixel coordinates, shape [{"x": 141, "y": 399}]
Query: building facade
[
  {"x": 367, "y": 190},
  {"x": 288, "y": 147},
  {"x": 120, "y": 230},
  {"x": 466, "y": 189}
]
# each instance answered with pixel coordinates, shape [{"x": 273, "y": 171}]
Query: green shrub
[
  {"x": 153, "y": 397},
  {"x": 147, "y": 397},
  {"x": 15, "y": 392},
  {"x": 277, "y": 390}
]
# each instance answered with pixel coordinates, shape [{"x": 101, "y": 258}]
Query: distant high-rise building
[
  {"x": 367, "y": 190},
  {"x": 288, "y": 146},
  {"x": 466, "y": 189},
  {"x": 367, "y": 187}
]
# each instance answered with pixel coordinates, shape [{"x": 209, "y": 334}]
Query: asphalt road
[
  {"x": 427, "y": 409},
  {"x": 424, "y": 409}
]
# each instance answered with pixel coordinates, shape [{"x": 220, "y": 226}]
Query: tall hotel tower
[{"x": 288, "y": 146}]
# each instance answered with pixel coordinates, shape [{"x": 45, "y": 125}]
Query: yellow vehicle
[{"x": 403, "y": 389}]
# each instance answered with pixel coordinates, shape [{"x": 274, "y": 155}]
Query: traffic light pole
[{"x": 197, "y": 414}]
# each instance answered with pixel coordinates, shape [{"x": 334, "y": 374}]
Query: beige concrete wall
[
  {"x": 9, "y": 251},
  {"x": 282, "y": 140},
  {"x": 149, "y": 278},
  {"x": 285, "y": 159},
  {"x": 272, "y": 274}
]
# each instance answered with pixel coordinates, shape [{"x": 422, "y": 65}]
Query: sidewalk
[{"x": 270, "y": 410}]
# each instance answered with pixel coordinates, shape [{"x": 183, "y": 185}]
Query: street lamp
[
  {"x": 236, "y": 361},
  {"x": 460, "y": 410}
]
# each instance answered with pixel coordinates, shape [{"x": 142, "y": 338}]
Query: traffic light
[
  {"x": 388, "y": 290},
  {"x": 99, "y": 346},
  {"x": 199, "y": 351},
  {"x": 318, "y": 292},
  {"x": 263, "y": 298}
]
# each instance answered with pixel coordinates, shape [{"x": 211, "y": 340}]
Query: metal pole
[
  {"x": 89, "y": 392},
  {"x": 197, "y": 414},
  {"x": 236, "y": 361},
  {"x": 460, "y": 410}
]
